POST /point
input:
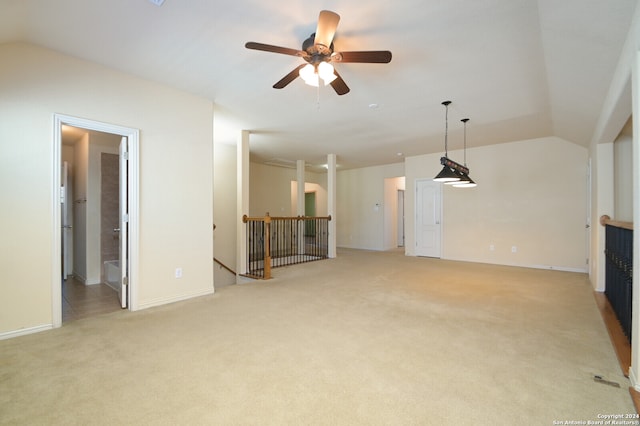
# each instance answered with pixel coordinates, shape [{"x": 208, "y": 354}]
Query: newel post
[{"x": 267, "y": 247}]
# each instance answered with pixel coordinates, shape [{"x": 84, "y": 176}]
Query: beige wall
[
  {"x": 320, "y": 191},
  {"x": 360, "y": 204},
  {"x": 225, "y": 215},
  {"x": 603, "y": 203},
  {"x": 176, "y": 186},
  {"x": 623, "y": 172},
  {"x": 531, "y": 194},
  {"x": 271, "y": 190},
  {"x": 392, "y": 217}
]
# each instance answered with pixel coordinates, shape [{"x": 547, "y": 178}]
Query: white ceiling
[{"x": 519, "y": 69}]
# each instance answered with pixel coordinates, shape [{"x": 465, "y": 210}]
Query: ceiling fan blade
[
  {"x": 288, "y": 78},
  {"x": 327, "y": 24},
  {"x": 339, "y": 85},
  {"x": 369, "y": 57},
  {"x": 274, "y": 49}
]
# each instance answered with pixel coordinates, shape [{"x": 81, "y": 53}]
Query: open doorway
[
  {"x": 98, "y": 227},
  {"x": 90, "y": 222},
  {"x": 393, "y": 216}
]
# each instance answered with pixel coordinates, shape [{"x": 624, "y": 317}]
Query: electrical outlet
[
  {"x": 178, "y": 273},
  {"x": 492, "y": 247},
  {"x": 514, "y": 249}
]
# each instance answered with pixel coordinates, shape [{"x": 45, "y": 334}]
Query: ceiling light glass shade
[
  {"x": 311, "y": 75},
  {"x": 325, "y": 71},
  {"x": 460, "y": 176},
  {"x": 308, "y": 74},
  {"x": 446, "y": 175},
  {"x": 465, "y": 182}
]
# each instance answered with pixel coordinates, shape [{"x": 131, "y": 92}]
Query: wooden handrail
[
  {"x": 606, "y": 220},
  {"x": 301, "y": 217},
  {"x": 246, "y": 218},
  {"x": 224, "y": 266}
]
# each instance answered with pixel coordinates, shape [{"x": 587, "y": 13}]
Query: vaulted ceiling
[{"x": 519, "y": 69}]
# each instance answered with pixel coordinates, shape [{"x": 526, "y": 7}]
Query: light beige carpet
[{"x": 367, "y": 338}]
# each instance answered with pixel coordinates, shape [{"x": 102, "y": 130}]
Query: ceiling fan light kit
[
  {"x": 453, "y": 173},
  {"x": 311, "y": 74},
  {"x": 318, "y": 52}
]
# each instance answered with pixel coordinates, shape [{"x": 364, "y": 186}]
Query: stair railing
[
  {"x": 619, "y": 269},
  {"x": 280, "y": 241}
]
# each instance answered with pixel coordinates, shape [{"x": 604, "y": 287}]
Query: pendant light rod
[
  {"x": 448, "y": 173},
  {"x": 446, "y": 126},
  {"x": 465, "y": 181},
  {"x": 464, "y": 120}
]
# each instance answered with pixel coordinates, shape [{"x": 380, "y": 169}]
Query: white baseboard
[
  {"x": 164, "y": 301},
  {"x": 634, "y": 380},
  {"x": 547, "y": 267},
  {"x": 25, "y": 331}
]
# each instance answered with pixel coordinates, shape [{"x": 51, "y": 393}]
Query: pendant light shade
[
  {"x": 465, "y": 182},
  {"x": 447, "y": 175}
]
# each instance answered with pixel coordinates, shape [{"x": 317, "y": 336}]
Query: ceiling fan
[{"x": 318, "y": 52}]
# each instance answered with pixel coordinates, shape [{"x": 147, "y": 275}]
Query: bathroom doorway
[
  {"x": 98, "y": 189},
  {"x": 90, "y": 224}
]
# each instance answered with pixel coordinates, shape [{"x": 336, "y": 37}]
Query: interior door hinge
[
  {"x": 125, "y": 218},
  {"x": 125, "y": 155},
  {"x": 125, "y": 281}
]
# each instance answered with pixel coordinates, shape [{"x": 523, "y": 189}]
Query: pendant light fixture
[
  {"x": 465, "y": 181},
  {"x": 447, "y": 174}
]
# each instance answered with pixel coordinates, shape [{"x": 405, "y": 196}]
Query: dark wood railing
[
  {"x": 619, "y": 269},
  {"x": 282, "y": 241}
]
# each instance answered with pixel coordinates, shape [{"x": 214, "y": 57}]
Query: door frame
[{"x": 133, "y": 136}]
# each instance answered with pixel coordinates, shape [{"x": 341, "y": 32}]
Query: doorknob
[{"x": 116, "y": 229}]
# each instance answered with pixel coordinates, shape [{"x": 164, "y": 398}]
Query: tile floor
[{"x": 81, "y": 301}]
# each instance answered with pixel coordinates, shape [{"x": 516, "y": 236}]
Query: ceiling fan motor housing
[{"x": 318, "y": 52}]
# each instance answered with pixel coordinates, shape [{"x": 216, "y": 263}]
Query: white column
[
  {"x": 300, "y": 165},
  {"x": 605, "y": 204},
  {"x": 634, "y": 373},
  {"x": 242, "y": 199},
  {"x": 331, "y": 202}
]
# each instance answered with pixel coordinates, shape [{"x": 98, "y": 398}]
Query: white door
[
  {"x": 123, "y": 293},
  {"x": 428, "y": 223}
]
